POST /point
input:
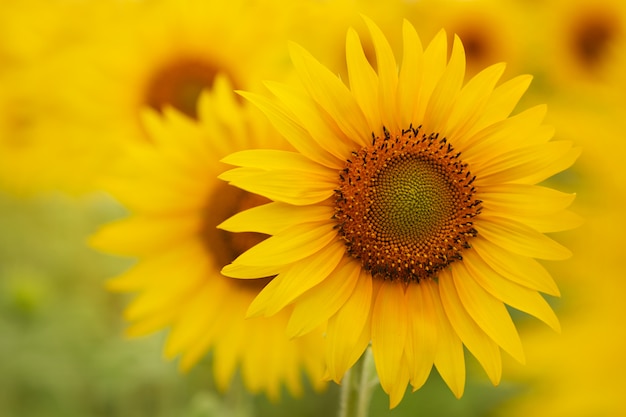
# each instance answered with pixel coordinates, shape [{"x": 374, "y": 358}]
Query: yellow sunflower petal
[
  {"x": 502, "y": 101},
  {"x": 348, "y": 334},
  {"x": 478, "y": 343},
  {"x": 287, "y": 186},
  {"x": 363, "y": 80},
  {"x": 331, "y": 94},
  {"x": 539, "y": 207},
  {"x": 555, "y": 165},
  {"x": 201, "y": 313},
  {"x": 323, "y": 300},
  {"x": 293, "y": 244},
  {"x": 194, "y": 352},
  {"x": 272, "y": 356},
  {"x": 273, "y": 218},
  {"x": 272, "y": 159},
  {"x": 523, "y": 199},
  {"x": 517, "y": 268},
  {"x": 504, "y": 135},
  {"x": 445, "y": 93},
  {"x": 242, "y": 271},
  {"x": 140, "y": 236},
  {"x": 226, "y": 354},
  {"x": 321, "y": 126},
  {"x": 293, "y": 132},
  {"x": 529, "y": 165},
  {"x": 509, "y": 292},
  {"x": 472, "y": 101},
  {"x": 152, "y": 323},
  {"x": 520, "y": 239},
  {"x": 410, "y": 73},
  {"x": 449, "y": 357},
  {"x": 422, "y": 332},
  {"x": 296, "y": 279},
  {"x": 435, "y": 56},
  {"x": 398, "y": 389},
  {"x": 487, "y": 311},
  {"x": 389, "y": 332},
  {"x": 170, "y": 293},
  {"x": 555, "y": 222},
  {"x": 145, "y": 272},
  {"x": 387, "y": 75}
]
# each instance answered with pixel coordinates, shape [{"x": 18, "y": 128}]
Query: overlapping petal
[
  {"x": 389, "y": 332},
  {"x": 477, "y": 341},
  {"x": 348, "y": 331},
  {"x": 324, "y": 300},
  {"x": 422, "y": 335}
]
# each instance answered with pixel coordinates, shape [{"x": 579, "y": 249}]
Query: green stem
[{"x": 357, "y": 387}]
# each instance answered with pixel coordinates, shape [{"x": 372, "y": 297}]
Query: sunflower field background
[{"x": 76, "y": 77}]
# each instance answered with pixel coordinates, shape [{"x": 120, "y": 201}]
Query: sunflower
[
  {"x": 492, "y": 31},
  {"x": 165, "y": 53},
  {"x": 410, "y": 213},
  {"x": 171, "y": 188},
  {"x": 581, "y": 40}
]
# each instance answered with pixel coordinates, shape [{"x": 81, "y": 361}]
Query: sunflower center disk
[{"x": 405, "y": 206}]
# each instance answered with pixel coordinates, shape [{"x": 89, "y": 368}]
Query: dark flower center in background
[
  {"x": 476, "y": 45},
  {"x": 484, "y": 38},
  {"x": 405, "y": 206},
  {"x": 224, "y": 246},
  {"x": 592, "y": 36},
  {"x": 180, "y": 84}
]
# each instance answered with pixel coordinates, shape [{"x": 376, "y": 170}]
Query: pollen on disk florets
[{"x": 405, "y": 205}]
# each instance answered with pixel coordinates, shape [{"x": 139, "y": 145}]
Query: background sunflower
[{"x": 170, "y": 186}]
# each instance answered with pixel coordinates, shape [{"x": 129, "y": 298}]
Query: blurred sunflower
[
  {"x": 418, "y": 196},
  {"x": 166, "y": 52},
  {"x": 171, "y": 188},
  {"x": 492, "y": 31},
  {"x": 581, "y": 40}
]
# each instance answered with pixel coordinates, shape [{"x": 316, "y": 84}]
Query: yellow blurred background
[{"x": 75, "y": 76}]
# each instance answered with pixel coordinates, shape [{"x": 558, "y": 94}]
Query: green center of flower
[
  {"x": 405, "y": 206},
  {"x": 410, "y": 198}
]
